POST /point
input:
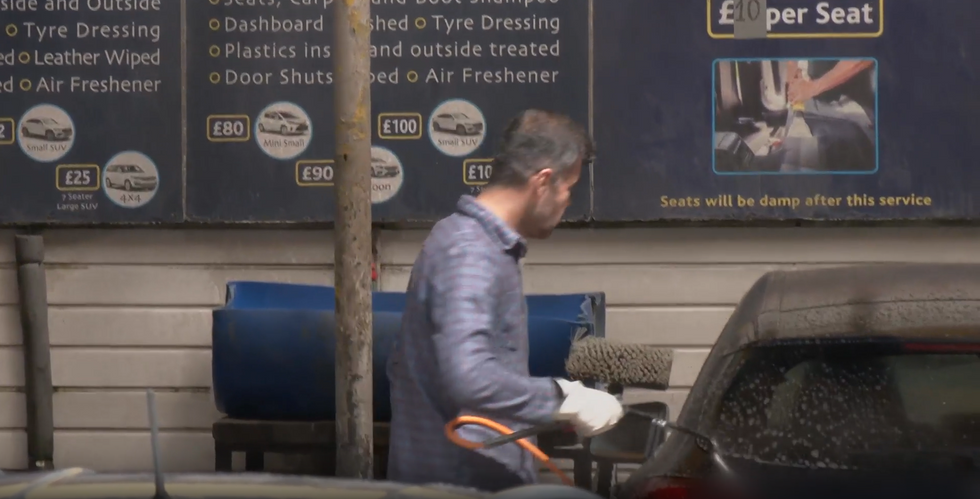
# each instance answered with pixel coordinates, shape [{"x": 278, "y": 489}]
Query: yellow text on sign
[
  {"x": 399, "y": 126},
  {"x": 78, "y": 178},
  {"x": 477, "y": 171},
  {"x": 314, "y": 173},
  {"x": 796, "y": 15},
  {"x": 229, "y": 128}
]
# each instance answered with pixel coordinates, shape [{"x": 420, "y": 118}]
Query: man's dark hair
[{"x": 535, "y": 140}]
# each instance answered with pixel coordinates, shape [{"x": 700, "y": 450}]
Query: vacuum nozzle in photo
[{"x": 782, "y": 116}]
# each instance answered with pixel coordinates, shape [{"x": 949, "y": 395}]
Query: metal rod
[
  {"x": 352, "y": 251},
  {"x": 33, "y": 293},
  {"x": 526, "y": 433},
  {"x": 151, "y": 409}
]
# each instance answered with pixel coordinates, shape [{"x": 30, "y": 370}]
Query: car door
[
  {"x": 131, "y": 172},
  {"x": 110, "y": 175},
  {"x": 269, "y": 121},
  {"x": 33, "y": 127},
  {"x": 444, "y": 122},
  {"x": 278, "y": 120}
]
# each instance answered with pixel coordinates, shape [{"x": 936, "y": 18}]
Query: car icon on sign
[
  {"x": 129, "y": 178},
  {"x": 381, "y": 169},
  {"x": 456, "y": 123},
  {"x": 45, "y": 128},
  {"x": 283, "y": 123}
]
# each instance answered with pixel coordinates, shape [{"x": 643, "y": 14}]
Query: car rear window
[{"x": 852, "y": 405}]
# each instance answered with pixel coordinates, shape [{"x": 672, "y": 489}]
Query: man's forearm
[
  {"x": 841, "y": 73},
  {"x": 489, "y": 388}
]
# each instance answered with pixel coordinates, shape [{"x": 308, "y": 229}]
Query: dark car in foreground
[
  {"x": 77, "y": 483},
  {"x": 829, "y": 375}
]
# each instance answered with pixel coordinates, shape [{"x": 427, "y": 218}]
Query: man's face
[{"x": 549, "y": 197}]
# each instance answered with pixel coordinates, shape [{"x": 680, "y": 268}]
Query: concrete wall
[{"x": 130, "y": 309}]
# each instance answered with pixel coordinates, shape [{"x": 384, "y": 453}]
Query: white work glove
[{"x": 591, "y": 411}]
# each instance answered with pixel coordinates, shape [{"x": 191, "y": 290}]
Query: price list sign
[
  {"x": 90, "y": 111},
  {"x": 446, "y": 78}
]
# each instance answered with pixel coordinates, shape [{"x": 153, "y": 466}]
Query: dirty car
[{"x": 842, "y": 372}]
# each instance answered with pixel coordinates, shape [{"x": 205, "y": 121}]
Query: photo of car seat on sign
[{"x": 795, "y": 116}]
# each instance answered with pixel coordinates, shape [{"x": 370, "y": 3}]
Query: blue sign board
[
  {"x": 844, "y": 110},
  {"x": 138, "y": 111},
  {"x": 447, "y": 77},
  {"x": 90, "y": 111}
]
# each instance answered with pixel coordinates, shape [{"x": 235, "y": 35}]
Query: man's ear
[{"x": 542, "y": 179}]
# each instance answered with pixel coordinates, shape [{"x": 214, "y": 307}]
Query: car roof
[
  {"x": 85, "y": 484},
  {"x": 903, "y": 301}
]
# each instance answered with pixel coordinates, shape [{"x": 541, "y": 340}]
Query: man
[{"x": 463, "y": 345}]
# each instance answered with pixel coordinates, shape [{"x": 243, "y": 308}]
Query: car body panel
[
  {"x": 79, "y": 483},
  {"x": 84, "y": 484},
  {"x": 895, "y": 300}
]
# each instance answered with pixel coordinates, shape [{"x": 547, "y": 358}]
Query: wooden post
[
  {"x": 33, "y": 294},
  {"x": 352, "y": 250}
]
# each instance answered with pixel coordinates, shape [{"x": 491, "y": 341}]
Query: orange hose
[{"x": 455, "y": 424}]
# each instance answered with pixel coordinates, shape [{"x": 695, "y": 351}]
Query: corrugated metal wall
[{"x": 130, "y": 309}]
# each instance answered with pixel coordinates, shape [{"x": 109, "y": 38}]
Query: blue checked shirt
[{"x": 463, "y": 350}]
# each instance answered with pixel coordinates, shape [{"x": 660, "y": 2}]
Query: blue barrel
[{"x": 273, "y": 346}]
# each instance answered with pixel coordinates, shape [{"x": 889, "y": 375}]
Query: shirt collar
[{"x": 507, "y": 237}]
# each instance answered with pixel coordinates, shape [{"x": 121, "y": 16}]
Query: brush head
[{"x": 639, "y": 366}]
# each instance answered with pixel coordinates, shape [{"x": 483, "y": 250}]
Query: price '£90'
[{"x": 315, "y": 174}]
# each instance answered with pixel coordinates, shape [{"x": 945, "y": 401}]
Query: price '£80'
[
  {"x": 316, "y": 174},
  {"x": 228, "y": 128}
]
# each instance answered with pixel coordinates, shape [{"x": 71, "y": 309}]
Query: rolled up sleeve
[{"x": 464, "y": 295}]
